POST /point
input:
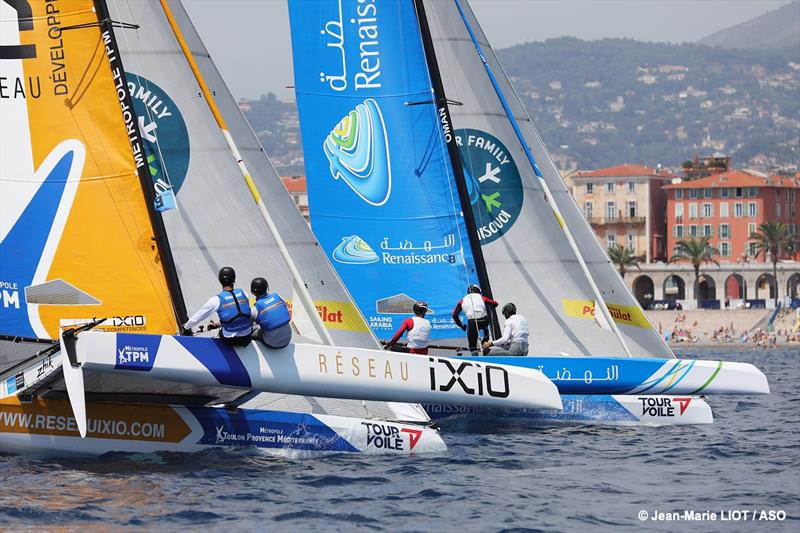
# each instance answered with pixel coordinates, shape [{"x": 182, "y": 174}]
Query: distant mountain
[
  {"x": 613, "y": 101},
  {"x": 775, "y": 30}
]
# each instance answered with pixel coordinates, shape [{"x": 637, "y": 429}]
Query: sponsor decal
[
  {"x": 267, "y": 429},
  {"x": 104, "y": 421},
  {"x": 389, "y": 437},
  {"x": 9, "y": 294},
  {"x": 622, "y": 314},
  {"x": 663, "y": 405},
  {"x": 367, "y": 367},
  {"x": 354, "y": 250},
  {"x": 45, "y": 366},
  {"x": 475, "y": 379},
  {"x": 364, "y": 23},
  {"x": 337, "y": 315},
  {"x": 137, "y": 352},
  {"x": 114, "y": 324},
  {"x": 164, "y": 136},
  {"x": 406, "y": 252},
  {"x": 493, "y": 183},
  {"x": 358, "y": 152}
]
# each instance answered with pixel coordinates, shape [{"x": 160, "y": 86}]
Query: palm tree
[
  {"x": 623, "y": 257},
  {"x": 697, "y": 251},
  {"x": 773, "y": 237}
]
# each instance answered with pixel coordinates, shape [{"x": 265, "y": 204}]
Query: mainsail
[
  {"x": 76, "y": 238},
  {"x": 384, "y": 203},
  {"x": 522, "y": 237},
  {"x": 214, "y": 221}
]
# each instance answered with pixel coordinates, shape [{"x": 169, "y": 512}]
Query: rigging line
[
  {"x": 548, "y": 197},
  {"x": 300, "y": 285}
]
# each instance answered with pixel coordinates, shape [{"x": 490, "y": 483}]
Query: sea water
[{"x": 507, "y": 476}]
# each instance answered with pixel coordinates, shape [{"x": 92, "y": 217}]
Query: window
[
  {"x": 708, "y": 193},
  {"x": 692, "y": 231},
  {"x": 632, "y": 208},
  {"x": 630, "y": 242},
  {"x": 724, "y": 231},
  {"x": 725, "y": 249},
  {"x": 692, "y": 193},
  {"x": 679, "y": 194},
  {"x": 752, "y": 209},
  {"x": 752, "y": 249},
  {"x": 611, "y": 210},
  {"x": 723, "y": 209},
  {"x": 679, "y": 212},
  {"x": 738, "y": 210},
  {"x": 631, "y": 186},
  {"x": 677, "y": 231},
  {"x": 587, "y": 210},
  {"x": 739, "y": 192},
  {"x": 751, "y": 228},
  {"x": 589, "y": 187},
  {"x": 778, "y": 210},
  {"x": 611, "y": 240},
  {"x": 724, "y": 193},
  {"x": 692, "y": 210},
  {"x": 752, "y": 192},
  {"x": 708, "y": 210},
  {"x": 610, "y": 186},
  {"x": 708, "y": 230}
]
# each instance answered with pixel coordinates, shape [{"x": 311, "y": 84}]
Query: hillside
[
  {"x": 775, "y": 30},
  {"x": 613, "y": 101}
]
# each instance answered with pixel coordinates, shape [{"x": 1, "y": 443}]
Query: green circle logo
[
  {"x": 493, "y": 183},
  {"x": 164, "y": 134}
]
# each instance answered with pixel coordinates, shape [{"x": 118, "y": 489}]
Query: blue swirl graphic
[{"x": 353, "y": 250}]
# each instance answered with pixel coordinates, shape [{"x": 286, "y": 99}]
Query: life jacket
[
  {"x": 419, "y": 335},
  {"x": 234, "y": 310},
  {"x": 272, "y": 312},
  {"x": 473, "y": 306}
]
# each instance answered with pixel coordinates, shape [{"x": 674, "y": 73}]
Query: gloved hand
[
  {"x": 463, "y": 327},
  {"x": 212, "y": 325},
  {"x": 186, "y": 332},
  {"x": 387, "y": 347}
]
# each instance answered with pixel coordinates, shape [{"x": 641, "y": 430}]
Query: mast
[
  {"x": 440, "y": 100},
  {"x": 600, "y": 301},
  {"x": 135, "y": 138},
  {"x": 299, "y": 285}
]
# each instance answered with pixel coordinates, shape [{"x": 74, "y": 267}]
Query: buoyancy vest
[
  {"x": 272, "y": 312},
  {"x": 234, "y": 310},
  {"x": 419, "y": 335},
  {"x": 473, "y": 306}
]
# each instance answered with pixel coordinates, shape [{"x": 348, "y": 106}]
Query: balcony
[{"x": 606, "y": 221}]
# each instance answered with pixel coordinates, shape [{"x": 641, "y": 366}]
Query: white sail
[
  {"x": 527, "y": 254},
  {"x": 215, "y": 221}
]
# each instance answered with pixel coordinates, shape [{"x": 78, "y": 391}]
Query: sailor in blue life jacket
[
  {"x": 271, "y": 314},
  {"x": 233, "y": 308}
]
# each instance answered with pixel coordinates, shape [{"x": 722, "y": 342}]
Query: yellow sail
[{"x": 75, "y": 234}]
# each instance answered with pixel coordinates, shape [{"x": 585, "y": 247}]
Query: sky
[{"x": 250, "y": 43}]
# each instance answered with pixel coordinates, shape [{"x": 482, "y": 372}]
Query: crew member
[
  {"x": 515, "y": 335},
  {"x": 474, "y": 305},
  {"x": 272, "y": 316},
  {"x": 417, "y": 329},
  {"x": 233, "y": 309}
]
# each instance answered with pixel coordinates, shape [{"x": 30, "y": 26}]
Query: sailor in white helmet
[
  {"x": 476, "y": 307},
  {"x": 515, "y": 335},
  {"x": 417, "y": 329}
]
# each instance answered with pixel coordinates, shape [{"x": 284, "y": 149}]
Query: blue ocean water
[{"x": 506, "y": 477}]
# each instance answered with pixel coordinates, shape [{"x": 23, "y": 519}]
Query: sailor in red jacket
[
  {"x": 476, "y": 307},
  {"x": 417, "y": 329}
]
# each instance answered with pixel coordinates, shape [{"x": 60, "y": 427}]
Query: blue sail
[{"x": 381, "y": 192}]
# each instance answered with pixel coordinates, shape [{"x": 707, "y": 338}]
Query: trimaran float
[
  {"x": 124, "y": 189},
  {"x": 425, "y": 174}
]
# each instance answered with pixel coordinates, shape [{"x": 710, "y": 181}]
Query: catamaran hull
[
  {"x": 636, "y": 376},
  {"x": 597, "y": 409},
  {"x": 47, "y": 427}
]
